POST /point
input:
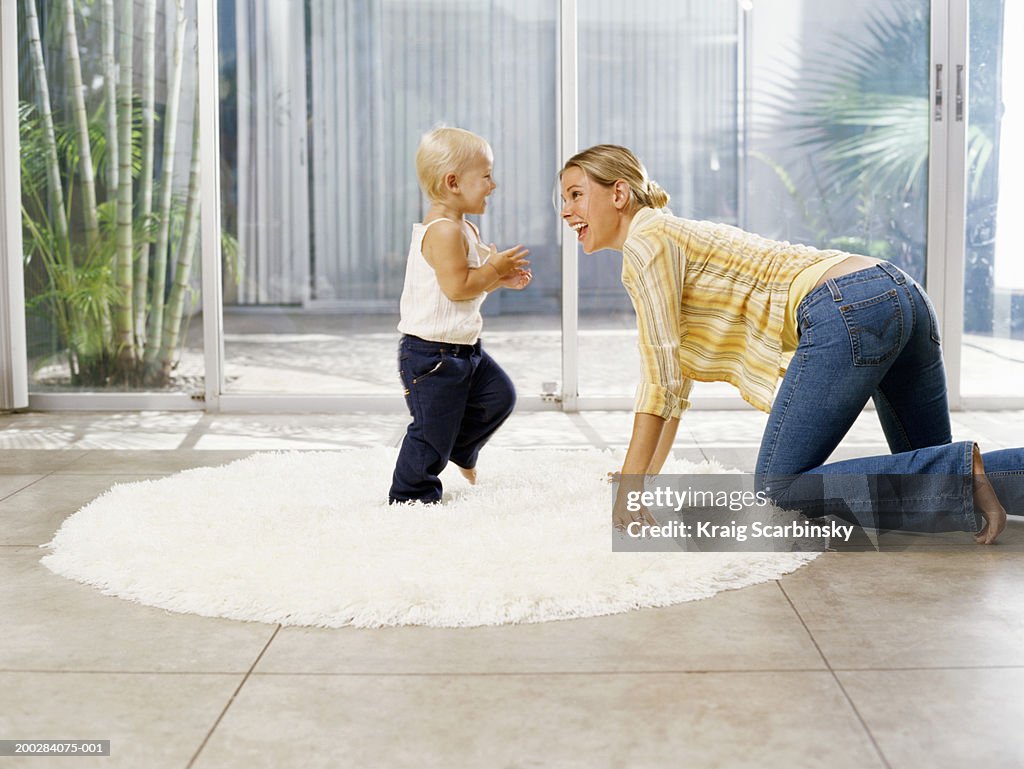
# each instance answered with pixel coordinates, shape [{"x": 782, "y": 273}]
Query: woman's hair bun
[{"x": 656, "y": 196}]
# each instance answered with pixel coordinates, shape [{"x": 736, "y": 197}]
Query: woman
[{"x": 714, "y": 303}]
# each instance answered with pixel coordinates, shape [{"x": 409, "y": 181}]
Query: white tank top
[{"x": 425, "y": 310}]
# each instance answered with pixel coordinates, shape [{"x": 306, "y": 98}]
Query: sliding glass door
[
  {"x": 661, "y": 79},
  {"x": 992, "y": 351},
  {"x": 323, "y": 107},
  {"x": 110, "y": 196},
  {"x": 885, "y": 128},
  {"x": 801, "y": 121}
]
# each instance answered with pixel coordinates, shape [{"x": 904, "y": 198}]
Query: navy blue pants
[{"x": 457, "y": 396}]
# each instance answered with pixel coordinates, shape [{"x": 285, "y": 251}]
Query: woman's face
[{"x": 590, "y": 210}]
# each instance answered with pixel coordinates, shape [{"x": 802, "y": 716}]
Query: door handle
[
  {"x": 938, "y": 93},
  {"x": 959, "y": 93}
]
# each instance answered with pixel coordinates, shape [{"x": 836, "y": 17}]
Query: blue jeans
[
  {"x": 873, "y": 334},
  {"x": 457, "y": 396}
]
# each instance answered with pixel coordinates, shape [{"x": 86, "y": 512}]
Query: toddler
[{"x": 457, "y": 395}]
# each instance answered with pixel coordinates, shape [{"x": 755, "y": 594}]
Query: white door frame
[
  {"x": 947, "y": 179},
  {"x": 13, "y": 350}
]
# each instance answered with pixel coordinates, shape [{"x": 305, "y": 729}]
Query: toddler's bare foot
[
  {"x": 987, "y": 503},
  {"x": 469, "y": 473}
]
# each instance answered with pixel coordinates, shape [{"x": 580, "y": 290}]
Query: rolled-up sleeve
[{"x": 652, "y": 272}]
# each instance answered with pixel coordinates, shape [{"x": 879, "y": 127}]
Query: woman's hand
[
  {"x": 622, "y": 517},
  {"x": 627, "y": 508}
]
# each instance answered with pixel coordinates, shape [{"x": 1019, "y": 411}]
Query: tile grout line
[
  {"x": 835, "y": 677},
  {"x": 691, "y": 433},
  {"x": 231, "y": 700},
  {"x": 196, "y": 432},
  {"x": 540, "y": 673},
  {"x": 79, "y": 458},
  {"x": 396, "y": 437},
  {"x": 500, "y": 673},
  {"x": 112, "y": 672},
  {"x": 587, "y": 430},
  {"x": 111, "y": 474},
  {"x": 28, "y": 485}
]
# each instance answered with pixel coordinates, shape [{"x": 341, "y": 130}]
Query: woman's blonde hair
[
  {"x": 607, "y": 163},
  {"x": 444, "y": 151}
]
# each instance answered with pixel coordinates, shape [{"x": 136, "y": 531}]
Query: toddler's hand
[
  {"x": 508, "y": 261},
  {"x": 518, "y": 280}
]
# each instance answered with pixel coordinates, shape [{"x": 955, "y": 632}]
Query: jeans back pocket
[{"x": 876, "y": 328}]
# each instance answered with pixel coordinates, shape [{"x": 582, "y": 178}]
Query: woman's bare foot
[
  {"x": 987, "y": 503},
  {"x": 469, "y": 473}
]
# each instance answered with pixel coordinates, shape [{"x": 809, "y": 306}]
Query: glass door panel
[
  {"x": 110, "y": 195},
  {"x": 837, "y": 153},
  {"x": 837, "y": 146},
  {"x": 661, "y": 79},
  {"x": 322, "y": 111},
  {"x": 837, "y": 149},
  {"x": 992, "y": 357},
  {"x": 801, "y": 121}
]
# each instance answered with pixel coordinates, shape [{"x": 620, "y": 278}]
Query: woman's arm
[
  {"x": 652, "y": 275},
  {"x": 647, "y": 443},
  {"x": 664, "y": 449},
  {"x": 649, "y": 446}
]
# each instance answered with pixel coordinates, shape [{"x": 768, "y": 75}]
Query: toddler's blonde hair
[
  {"x": 443, "y": 151},
  {"x": 607, "y": 163}
]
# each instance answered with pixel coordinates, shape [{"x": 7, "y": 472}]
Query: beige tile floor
[{"x": 908, "y": 658}]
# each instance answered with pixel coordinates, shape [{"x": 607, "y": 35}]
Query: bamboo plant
[{"x": 104, "y": 236}]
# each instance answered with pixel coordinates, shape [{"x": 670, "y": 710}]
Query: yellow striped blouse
[{"x": 710, "y": 304}]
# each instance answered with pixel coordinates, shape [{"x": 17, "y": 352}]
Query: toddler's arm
[{"x": 445, "y": 247}]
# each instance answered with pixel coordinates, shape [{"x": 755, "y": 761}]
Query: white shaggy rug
[{"x": 308, "y": 539}]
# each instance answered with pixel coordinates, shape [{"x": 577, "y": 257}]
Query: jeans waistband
[
  {"x": 445, "y": 348},
  {"x": 882, "y": 270}
]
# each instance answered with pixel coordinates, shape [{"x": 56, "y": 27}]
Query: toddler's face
[{"x": 476, "y": 183}]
